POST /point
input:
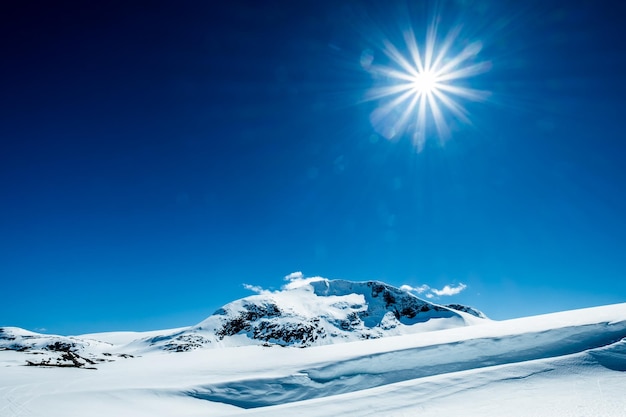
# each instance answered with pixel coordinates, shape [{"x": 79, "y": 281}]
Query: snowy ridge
[
  {"x": 307, "y": 312},
  {"x": 321, "y": 311}
]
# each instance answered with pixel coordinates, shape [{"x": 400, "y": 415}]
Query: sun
[
  {"x": 422, "y": 85},
  {"x": 424, "y": 82}
]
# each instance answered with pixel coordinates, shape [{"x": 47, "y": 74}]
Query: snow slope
[{"x": 564, "y": 364}]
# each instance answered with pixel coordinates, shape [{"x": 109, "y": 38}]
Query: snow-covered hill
[
  {"x": 61, "y": 351},
  {"x": 307, "y": 312},
  {"x": 320, "y": 311},
  {"x": 379, "y": 351}
]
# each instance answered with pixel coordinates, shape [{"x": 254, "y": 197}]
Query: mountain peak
[{"x": 312, "y": 311}]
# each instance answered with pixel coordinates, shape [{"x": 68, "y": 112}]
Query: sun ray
[
  {"x": 381, "y": 92},
  {"x": 406, "y": 114},
  {"x": 393, "y": 53},
  {"x": 395, "y": 103},
  {"x": 453, "y": 106},
  {"x": 465, "y": 72},
  {"x": 464, "y": 92},
  {"x": 430, "y": 47},
  {"x": 445, "y": 46},
  {"x": 398, "y": 74},
  {"x": 420, "y": 132},
  {"x": 440, "y": 125},
  {"x": 468, "y": 52},
  {"x": 411, "y": 43}
]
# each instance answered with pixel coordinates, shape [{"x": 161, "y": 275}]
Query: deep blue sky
[{"x": 154, "y": 157}]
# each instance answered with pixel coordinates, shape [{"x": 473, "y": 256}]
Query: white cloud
[
  {"x": 255, "y": 288},
  {"x": 294, "y": 276},
  {"x": 448, "y": 290},
  {"x": 297, "y": 280},
  {"x": 420, "y": 290}
]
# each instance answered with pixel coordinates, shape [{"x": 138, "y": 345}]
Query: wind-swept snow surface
[{"x": 564, "y": 364}]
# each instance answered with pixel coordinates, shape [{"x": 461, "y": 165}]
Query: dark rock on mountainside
[{"x": 469, "y": 310}]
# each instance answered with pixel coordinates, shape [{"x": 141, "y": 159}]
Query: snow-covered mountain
[
  {"x": 319, "y": 311},
  {"x": 307, "y": 312},
  {"x": 405, "y": 356}
]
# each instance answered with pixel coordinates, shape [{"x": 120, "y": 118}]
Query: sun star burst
[{"x": 421, "y": 86}]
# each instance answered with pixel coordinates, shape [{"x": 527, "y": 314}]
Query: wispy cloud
[
  {"x": 294, "y": 276},
  {"x": 256, "y": 288},
  {"x": 298, "y": 280},
  {"x": 294, "y": 280},
  {"x": 419, "y": 290},
  {"x": 449, "y": 290},
  {"x": 429, "y": 292}
]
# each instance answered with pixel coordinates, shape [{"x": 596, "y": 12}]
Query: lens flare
[{"x": 421, "y": 86}]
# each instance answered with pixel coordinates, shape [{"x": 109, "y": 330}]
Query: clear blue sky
[{"x": 156, "y": 156}]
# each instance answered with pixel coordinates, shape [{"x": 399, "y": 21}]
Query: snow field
[{"x": 558, "y": 365}]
